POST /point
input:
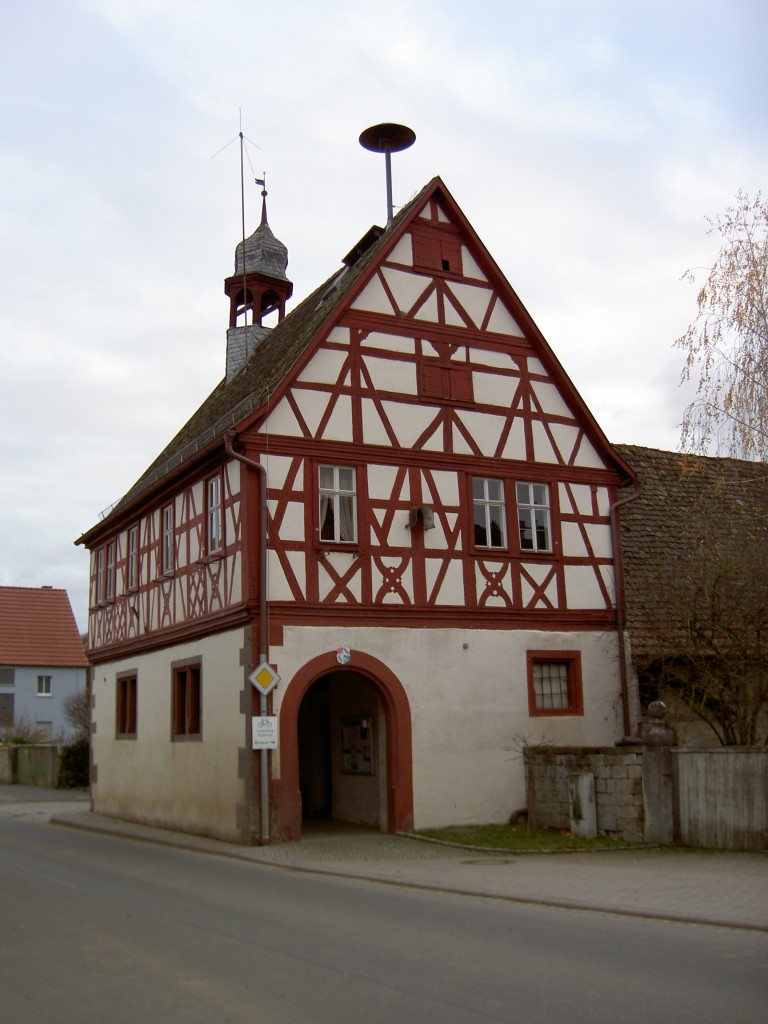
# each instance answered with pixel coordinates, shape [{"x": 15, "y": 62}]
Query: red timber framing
[
  {"x": 431, "y": 372},
  {"x": 199, "y": 588}
]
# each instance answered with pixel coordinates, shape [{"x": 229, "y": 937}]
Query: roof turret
[{"x": 264, "y": 254}]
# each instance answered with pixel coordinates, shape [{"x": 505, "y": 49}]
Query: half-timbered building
[{"x": 396, "y": 499}]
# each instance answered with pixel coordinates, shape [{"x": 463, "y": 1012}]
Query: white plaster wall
[
  {"x": 392, "y": 375},
  {"x": 469, "y": 707},
  {"x": 191, "y": 785}
]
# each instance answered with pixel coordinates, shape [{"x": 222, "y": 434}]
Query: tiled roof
[
  {"x": 229, "y": 403},
  {"x": 690, "y": 508},
  {"x": 38, "y": 628}
]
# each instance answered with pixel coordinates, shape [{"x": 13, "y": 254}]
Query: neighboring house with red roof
[
  {"x": 42, "y": 661},
  {"x": 395, "y": 497}
]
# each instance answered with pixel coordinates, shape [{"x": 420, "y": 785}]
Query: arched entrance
[
  {"x": 345, "y": 747},
  {"x": 342, "y": 748}
]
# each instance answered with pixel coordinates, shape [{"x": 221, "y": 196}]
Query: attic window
[
  {"x": 436, "y": 249},
  {"x": 445, "y": 382}
]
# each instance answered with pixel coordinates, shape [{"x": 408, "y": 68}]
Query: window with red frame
[
  {"x": 187, "y": 682},
  {"x": 126, "y": 706},
  {"x": 554, "y": 683}
]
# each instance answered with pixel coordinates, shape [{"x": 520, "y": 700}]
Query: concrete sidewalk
[{"x": 726, "y": 889}]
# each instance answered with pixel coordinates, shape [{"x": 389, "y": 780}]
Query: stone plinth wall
[{"x": 618, "y": 773}]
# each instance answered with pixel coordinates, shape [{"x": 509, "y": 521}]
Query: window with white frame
[
  {"x": 215, "y": 539},
  {"x": 167, "y": 538},
  {"x": 110, "y": 582},
  {"x": 133, "y": 557},
  {"x": 338, "y": 504},
  {"x": 7, "y": 705},
  {"x": 100, "y": 574},
  {"x": 44, "y": 686},
  {"x": 533, "y": 517},
  {"x": 489, "y": 513},
  {"x": 7, "y": 680}
]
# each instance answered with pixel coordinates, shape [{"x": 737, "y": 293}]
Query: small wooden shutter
[{"x": 461, "y": 384}]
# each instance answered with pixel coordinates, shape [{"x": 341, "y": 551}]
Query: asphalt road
[{"x": 102, "y": 929}]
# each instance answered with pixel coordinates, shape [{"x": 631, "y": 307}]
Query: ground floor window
[
  {"x": 126, "y": 706},
  {"x": 6, "y": 710},
  {"x": 187, "y": 684},
  {"x": 554, "y": 683}
]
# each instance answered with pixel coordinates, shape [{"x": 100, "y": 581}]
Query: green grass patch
[{"x": 517, "y": 837}]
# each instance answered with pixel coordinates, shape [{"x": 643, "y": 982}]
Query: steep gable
[
  {"x": 428, "y": 268},
  {"x": 432, "y": 324}
]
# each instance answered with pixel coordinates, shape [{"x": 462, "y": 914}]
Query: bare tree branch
[{"x": 726, "y": 345}]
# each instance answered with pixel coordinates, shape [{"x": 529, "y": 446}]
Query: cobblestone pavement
[{"x": 705, "y": 887}]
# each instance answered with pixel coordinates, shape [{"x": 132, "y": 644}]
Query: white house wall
[
  {"x": 191, "y": 784},
  {"x": 468, "y": 696}
]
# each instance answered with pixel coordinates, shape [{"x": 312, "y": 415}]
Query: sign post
[{"x": 264, "y": 679}]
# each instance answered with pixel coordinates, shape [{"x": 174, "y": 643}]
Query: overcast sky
[{"x": 586, "y": 142}]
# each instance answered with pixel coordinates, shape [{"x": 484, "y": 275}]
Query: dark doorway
[
  {"x": 314, "y": 735},
  {"x": 341, "y": 733}
]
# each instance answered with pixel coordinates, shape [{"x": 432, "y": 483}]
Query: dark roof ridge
[{"x": 712, "y": 459}]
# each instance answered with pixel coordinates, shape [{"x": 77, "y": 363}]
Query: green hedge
[{"x": 74, "y": 766}]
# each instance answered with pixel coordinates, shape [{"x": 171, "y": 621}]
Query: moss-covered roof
[
  {"x": 692, "y": 512},
  {"x": 229, "y": 403}
]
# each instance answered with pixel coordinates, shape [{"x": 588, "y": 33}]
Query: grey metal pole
[{"x": 390, "y": 206}]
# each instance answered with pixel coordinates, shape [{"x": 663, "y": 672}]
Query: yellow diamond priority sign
[{"x": 264, "y": 678}]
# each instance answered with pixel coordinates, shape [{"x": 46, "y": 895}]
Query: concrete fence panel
[{"x": 37, "y": 765}]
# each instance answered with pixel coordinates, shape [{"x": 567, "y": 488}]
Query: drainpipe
[
  {"x": 618, "y": 573},
  {"x": 229, "y": 438}
]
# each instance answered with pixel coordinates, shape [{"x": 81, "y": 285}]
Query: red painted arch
[{"x": 286, "y": 794}]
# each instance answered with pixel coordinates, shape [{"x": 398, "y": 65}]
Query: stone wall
[{"x": 618, "y": 774}]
